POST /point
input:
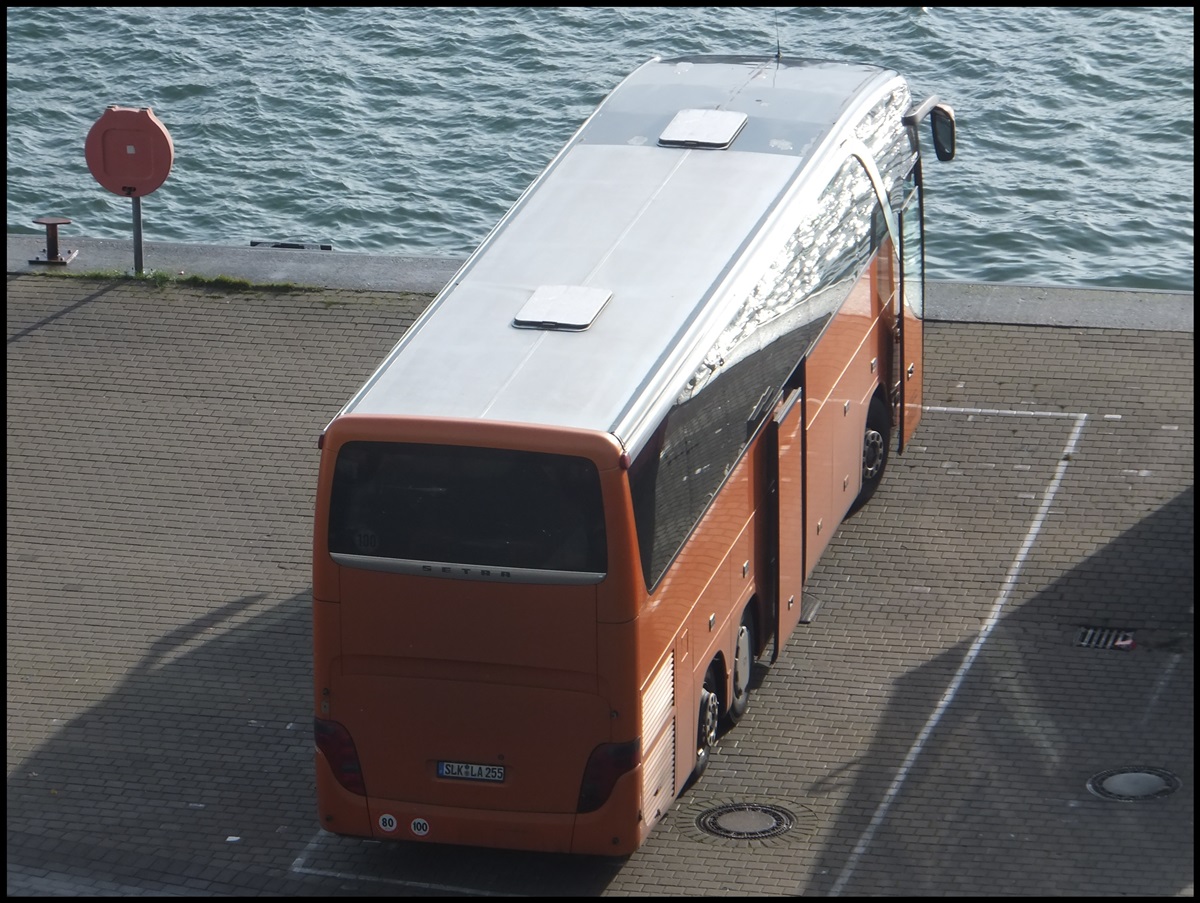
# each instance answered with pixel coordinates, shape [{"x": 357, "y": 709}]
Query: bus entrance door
[
  {"x": 788, "y": 472},
  {"x": 912, "y": 307}
]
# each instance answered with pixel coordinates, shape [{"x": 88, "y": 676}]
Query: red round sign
[{"x": 129, "y": 151}]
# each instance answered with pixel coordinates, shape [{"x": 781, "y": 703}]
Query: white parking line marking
[
  {"x": 299, "y": 868},
  {"x": 1006, "y": 590}
]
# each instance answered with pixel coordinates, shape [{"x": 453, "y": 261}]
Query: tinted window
[
  {"x": 677, "y": 473},
  {"x": 478, "y": 506}
]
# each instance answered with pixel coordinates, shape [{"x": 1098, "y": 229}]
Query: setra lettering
[{"x": 465, "y": 572}]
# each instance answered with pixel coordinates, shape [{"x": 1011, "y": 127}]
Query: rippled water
[{"x": 411, "y": 131}]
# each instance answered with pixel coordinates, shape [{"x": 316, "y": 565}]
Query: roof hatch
[
  {"x": 703, "y": 128},
  {"x": 567, "y": 307}
]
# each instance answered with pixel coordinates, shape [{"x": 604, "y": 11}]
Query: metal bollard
[{"x": 52, "y": 256}]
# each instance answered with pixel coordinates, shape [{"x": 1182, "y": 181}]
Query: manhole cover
[
  {"x": 1135, "y": 782},
  {"x": 741, "y": 823},
  {"x": 746, "y": 821}
]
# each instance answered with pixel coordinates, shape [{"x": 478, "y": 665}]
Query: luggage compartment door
[{"x": 788, "y": 459}]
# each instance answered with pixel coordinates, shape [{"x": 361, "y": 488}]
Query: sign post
[{"x": 130, "y": 153}]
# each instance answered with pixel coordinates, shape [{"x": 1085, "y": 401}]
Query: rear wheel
[{"x": 708, "y": 723}]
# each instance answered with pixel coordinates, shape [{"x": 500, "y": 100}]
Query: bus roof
[{"x": 593, "y": 300}]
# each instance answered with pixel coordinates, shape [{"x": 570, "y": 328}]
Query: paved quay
[{"x": 996, "y": 698}]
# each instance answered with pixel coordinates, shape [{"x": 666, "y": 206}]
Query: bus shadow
[
  {"x": 997, "y": 793},
  {"x": 196, "y": 773},
  {"x": 457, "y": 870},
  {"x": 196, "y": 756}
]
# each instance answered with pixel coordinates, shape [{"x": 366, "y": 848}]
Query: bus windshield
[{"x": 482, "y": 507}]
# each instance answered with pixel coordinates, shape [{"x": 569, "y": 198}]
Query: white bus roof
[{"x": 589, "y": 302}]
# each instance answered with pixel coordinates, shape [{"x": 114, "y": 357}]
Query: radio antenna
[{"x": 778, "y": 51}]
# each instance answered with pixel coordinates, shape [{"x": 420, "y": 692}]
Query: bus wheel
[
  {"x": 743, "y": 665},
  {"x": 875, "y": 450},
  {"x": 710, "y": 719}
]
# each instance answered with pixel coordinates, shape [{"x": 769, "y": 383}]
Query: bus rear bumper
[{"x": 594, "y": 833}]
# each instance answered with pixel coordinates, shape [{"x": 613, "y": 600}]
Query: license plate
[{"x": 467, "y": 771}]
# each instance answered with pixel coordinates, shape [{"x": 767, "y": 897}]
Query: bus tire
[
  {"x": 743, "y": 667},
  {"x": 876, "y": 441},
  {"x": 708, "y": 723}
]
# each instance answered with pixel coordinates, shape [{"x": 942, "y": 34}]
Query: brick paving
[{"x": 931, "y": 733}]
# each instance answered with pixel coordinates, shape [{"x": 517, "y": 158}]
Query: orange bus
[{"x": 580, "y": 497}]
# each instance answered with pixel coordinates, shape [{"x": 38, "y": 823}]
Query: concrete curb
[
  {"x": 962, "y": 302},
  {"x": 1041, "y": 305},
  {"x": 322, "y": 269}
]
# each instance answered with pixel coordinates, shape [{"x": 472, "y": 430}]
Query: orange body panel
[
  {"x": 696, "y": 608},
  {"x": 528, "y": 677},
  {"x": 842, "y": 373},
  {"x": 587, "y": 834},
  {"x": 912, "y": 376}
]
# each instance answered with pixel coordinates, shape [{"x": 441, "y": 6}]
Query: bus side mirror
[{"x": 941, "y": 121}]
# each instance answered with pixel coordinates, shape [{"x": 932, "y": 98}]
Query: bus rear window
[{"x": 489, "y": 507}]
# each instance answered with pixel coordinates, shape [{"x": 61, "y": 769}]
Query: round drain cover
[
  {"x": 745, "y": 821},
  {"x": 734, "y": 823},
  {"x": 1133, "y": 783}
]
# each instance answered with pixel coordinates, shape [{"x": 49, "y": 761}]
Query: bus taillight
[
  {"x": 607, "y": 763},
  {"x": 335, "y": 742}
]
